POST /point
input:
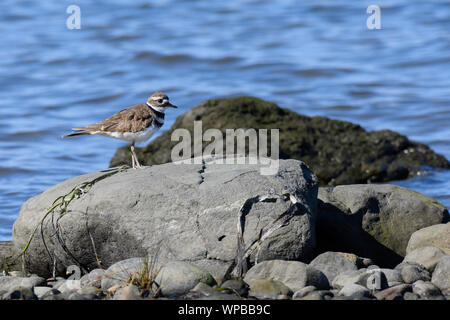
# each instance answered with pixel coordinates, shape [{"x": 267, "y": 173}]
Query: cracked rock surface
[{"x": 187, "y": 212}]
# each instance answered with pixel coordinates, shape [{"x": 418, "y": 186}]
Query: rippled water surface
[{"x": 315, "y": 57}]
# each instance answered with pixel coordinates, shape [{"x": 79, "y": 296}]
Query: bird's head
[{"x": 159, "y": 101}]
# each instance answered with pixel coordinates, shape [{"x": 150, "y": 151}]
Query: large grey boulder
[
  {"x": 183, "y": 212},
  {"x": 374, "y": 221}
]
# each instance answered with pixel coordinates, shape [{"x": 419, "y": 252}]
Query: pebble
[
  {"x": 203, "y": 288},
  {"x": 93, "y": 278},
  {"x": 393, "y": 293},
  {"x": 303, "y": 292},
  {"x": 237, "y": 286},
  {"x": 441, "y": 274},
  {"x": 347, "y": 277},
  {"x": 426, "y": 256},
  {"x": 354, "y": 290},
  {"x": 318, "y": 295},
  {"x": 40, "y": 291},
  {"x": 129, "y": 292},
  {"x": 425, "y": 288},
  {"x": 411, "y": 273},
  {"x": 178, "y": 277},
  {"x": 268, "y": 289},
  {"x": 53, "y": 294},
  {"x": 411, "y": 296},
  {"x": 68, "y": 285},
  {"x": 393, "y": 276},
  {"x": 20, "y": 293}
]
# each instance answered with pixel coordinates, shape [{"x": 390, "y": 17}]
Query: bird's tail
[{"x": 74, "y": 134}]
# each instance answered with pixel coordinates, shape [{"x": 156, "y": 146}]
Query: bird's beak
[{"x": 171, "y": 105}]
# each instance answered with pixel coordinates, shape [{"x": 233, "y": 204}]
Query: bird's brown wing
[{"x": 133, "y": 119}]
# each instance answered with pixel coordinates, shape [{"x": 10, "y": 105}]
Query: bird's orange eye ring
[{"x": 160, "y": 100}]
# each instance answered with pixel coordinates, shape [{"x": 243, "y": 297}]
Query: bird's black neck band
[{"x": 159, "y": 114}]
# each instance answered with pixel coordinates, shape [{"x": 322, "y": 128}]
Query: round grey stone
[
  {"x": 93, "y": 278},
  {"x": 303, "y": 292},
  {"x": 441, "y": 274},
  {"x": 238, "y": 286},
  {"x": 130, "y": 292},
  {"x": 411, "y": 296},
  {"x": 354, "y": 290},
  {"x": 178, "y": 277},
  {"x": 412, "y": 272},
  {"x": 20, "y": 293},
  {"x": 393, "y": 277},
  {"x": 122, "y": 271},
  {"x": 268, "y": 289},
  {"x": 332, "y": 264},
  {"x": 294, "y": 274},
  {"x": 40, "y": 291},
  {"x": 426, "y": 256},
  {"x": 7, "y": 283},
  {"x": 425, "y": 288}
]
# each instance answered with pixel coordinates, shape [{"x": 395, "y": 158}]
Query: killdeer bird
[{"x": 134, "y": 124}]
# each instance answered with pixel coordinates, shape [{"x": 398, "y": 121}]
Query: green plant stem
[{"x": 76, "y": 191}]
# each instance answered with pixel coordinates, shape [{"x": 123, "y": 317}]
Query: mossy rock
[{"x": 338, "y": 152}]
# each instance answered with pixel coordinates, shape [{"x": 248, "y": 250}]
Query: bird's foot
[{"x": 137, "y": 165}]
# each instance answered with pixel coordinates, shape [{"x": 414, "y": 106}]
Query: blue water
[{"x": 315, "y": 57}]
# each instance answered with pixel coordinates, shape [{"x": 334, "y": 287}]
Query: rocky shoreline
[
  {"x": 164, "y": 232},
  {"x": 424, "y": 274},
  {"x": 213, "y": 231}
]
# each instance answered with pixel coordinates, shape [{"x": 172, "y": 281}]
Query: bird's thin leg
[
  {"x": 133, "y": 161},
  {"x": 136, "y": 164}
]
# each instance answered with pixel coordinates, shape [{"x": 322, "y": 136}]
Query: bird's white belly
[{"x": 133, "y": 136}]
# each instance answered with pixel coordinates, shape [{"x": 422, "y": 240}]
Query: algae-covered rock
[{"x": 338, "y": 152}]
